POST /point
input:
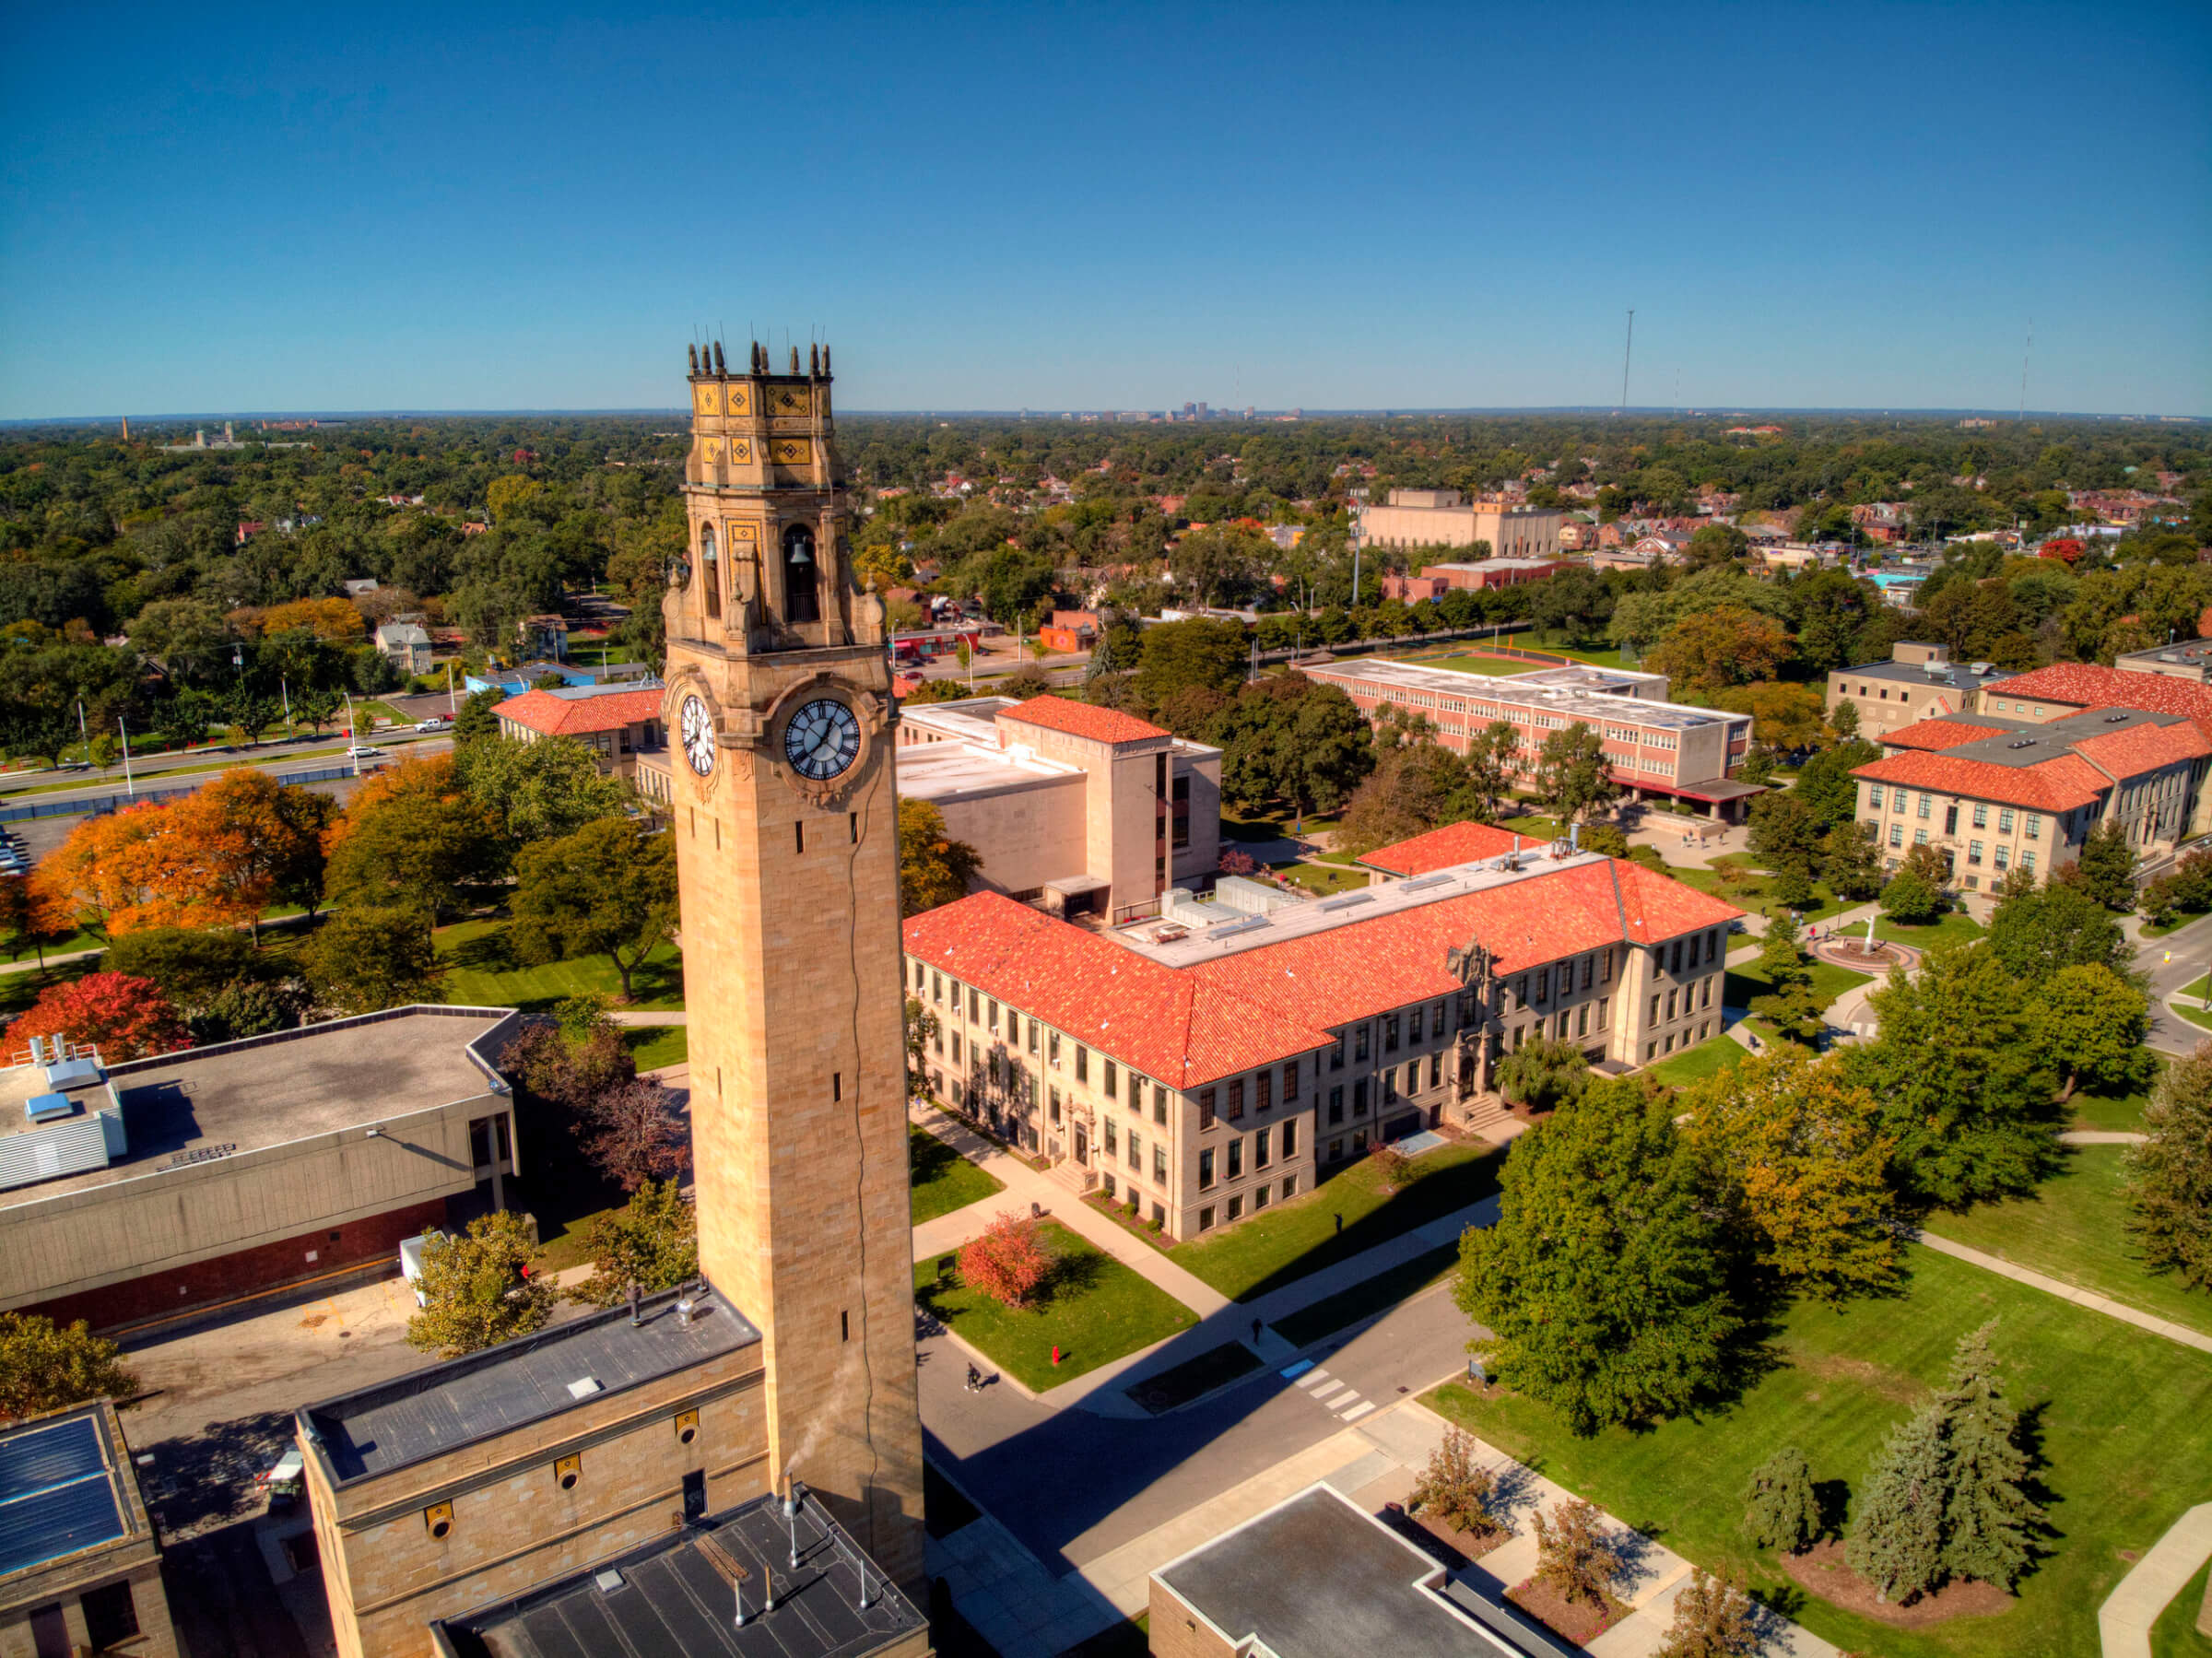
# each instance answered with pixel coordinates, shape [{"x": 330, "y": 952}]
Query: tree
[
  {"x": 2038, "y": 931},
  {"x": 1825, "y": 785},
  {"x": 539, "y": 791},
  {"x": 2107, "y": 867},
  {"x": 608, "y": 889},
  {"x": 476, "y": 721},
  {"x": 1801, "y": 1155},
  {"x": 1911, "y": 899},
  {"x": 2169, "y": 1174},
  {"x": 1575, "y": 1553},
  {"x": 1966, "y": 1101},
  {"x": 1457, "y": 1490},
  {"x": 1607, "y": 838},
  {"x": 921, "y": 1030},
  {"x": 368, "y": 958},
  {"x": 1782, "y": 716},
  {"x": 652, "y": 1241},
  {"x": 482, "y": 1289},
  {"x": 257, "y": 841},
  {"x": 1897, "y": 1545},
  {"x": 571, "y": 1063},
  {"x": 1843, "y": 719},
  {"x": 1779, "y": 1508},
  {"x": 1851, "y": 861},
  {"x": 1988, "y": 1516},
  {"x": 125, "y": 1017},
  {"x": 633, "y": 1133},
  {"x": 45, "y": 1366},
  {"x": 1785, "y": 834},
  {"x": 1604, "y": 1279},
  {"x": 1573, "y": 778},
  {"x": 1490, "y": 764},
  {"x": 1710, "y": 650},
  {"x": 1007, "y": 1261},
  {"x": 1713, "y": 1617},
  {"x": 190, "y": 965},
  {"x": 1413, "y": 789},
  {"x": 1198, "y": 653},
  {"x": 933, "y": 868},
  {"x": 1544, "y": 1074},
  {"x": 27, "y": 921},
  {"x": 2089, "y": 1024},
  {"x": 413, "y": 836},
  {"x": 1791, "y": 1005}
]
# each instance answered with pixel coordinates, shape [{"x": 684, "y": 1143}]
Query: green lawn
[
  {"x": 1753, "y": 891},
  {"x": 944, "y": 1179},
  {"x": 2189, "y": 1002},
  {"x": 1378, "y": 1294},
  {"x": 1709, "y": 1058},
  {"x": 1274, "y": 826},
  {"x": 653, "y": 1046},
  {"x": 1535, "y": 825},
  {"x": 1268, "y": 1250},
  {"x": 1828, "y": 982},
  {"x": 2174, "y": 1635},
  {"x": 1322, "y": 879},
  {"x": 2119, "y": 1413},
  {"x": 1954, "y": 928},
  {"x": 481, "y": 972},
  {"x": 1095, "y": 1310},
  {"x": 2121, "y": 1111},
  {"x": 2075, "y": 1229}
]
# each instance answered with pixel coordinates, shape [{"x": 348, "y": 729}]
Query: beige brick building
[
  {"x": 1081, "y": 809},
  {"x": 1203, "y": 1073},
  {"x": 1419, "y": 518},
  {"x": 1919, "y": 682}
]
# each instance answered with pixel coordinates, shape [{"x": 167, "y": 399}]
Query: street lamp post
[{"x": 128, "y": 786}]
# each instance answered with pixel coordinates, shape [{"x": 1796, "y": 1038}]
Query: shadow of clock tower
[{"x": 785, "y": 821}]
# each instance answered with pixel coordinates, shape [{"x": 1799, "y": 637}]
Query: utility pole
[
  {"x": 1624, "y": 351},
  {"x": 128, "y": 786}
]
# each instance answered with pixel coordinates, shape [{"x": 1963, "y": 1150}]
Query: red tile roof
[
  {"x": 1190, "y": 1025},
  {"x": 1165, "y": 1023},
  {"x": 1081, "y": 719},
  {"x": 553, "y": 716},
  {"x": 1939, "y": 734},
  {"x": 1441, "y": 848},
  {"x": 2085, "y": 685},
  {"x": 2144, "y": 748},
  {"x": 2057, "y": 784}
]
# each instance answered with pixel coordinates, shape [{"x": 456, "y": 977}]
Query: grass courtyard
[
  {"x": 2189, "y": 1002},
  {"x": 2118, "y": 1414},
  {"x": 1746, "y": 980},
  {"x": 943, "y": 1180},
  {"x": 2075, "y": 1229},
  {"x": 2121, "y": 1111},
  {"x": 1302, "y": 1235},
  {"x": 481, "y": 972},
  {"x": 1709, "y": 1058},
  {"x": 1957, "y": 927},
  {"x": 1093, "y": 1308}
]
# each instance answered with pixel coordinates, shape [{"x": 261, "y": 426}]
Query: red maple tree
[
  {"x": 123, "y": 1016},
  {"x": 1008, "y": 1261},
  {"x": 2062, "y": 547}
]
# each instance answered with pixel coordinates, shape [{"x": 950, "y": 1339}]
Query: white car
[{"x": 362, "y": 751}]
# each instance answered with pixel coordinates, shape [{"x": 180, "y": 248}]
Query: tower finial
[
  {"x": 693, "y": 350},
  {"x": 814, "y": 361},
  {"x": 720, "y": 367},
  {"x": 759, "y": 358},
  {"x": 824, "y": 360},
  {"x": 795, "y": 359}
]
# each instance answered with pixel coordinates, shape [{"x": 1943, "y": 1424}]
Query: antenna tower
[
  {"x": 2028, "y": 352},
  {"x": 1624, "y": 351}
]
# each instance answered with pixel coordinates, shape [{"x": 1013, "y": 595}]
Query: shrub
[
  {"x": 1574, "y": 1553},
  {"x": 125, "y": 1017},
  {"x": 1456, "y": 1488},
  {"x": 1781, "y": 1511},
  {"x": 1390, "y": 1164}
]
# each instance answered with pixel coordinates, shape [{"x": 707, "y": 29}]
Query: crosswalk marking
[
  {"x": 1315, "y": 1380},
  {"x": 1323, "y": 1394},
  {"x": 1355, "y": 1414}
]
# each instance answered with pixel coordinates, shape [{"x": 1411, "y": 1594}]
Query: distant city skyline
[{"x": 1815, "y": 208}]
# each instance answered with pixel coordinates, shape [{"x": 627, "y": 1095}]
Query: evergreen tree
[
  {"x": 2107, "y": 868},
  {"x": 1780, "y": 1509},
  {"x": 1897, "y": 1545},
  {"x": 2169, "y": 1175},
  {"x": 1987, "y": 1516}
]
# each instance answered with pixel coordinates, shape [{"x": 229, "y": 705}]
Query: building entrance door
[{"x": 1082, "y": 1148}]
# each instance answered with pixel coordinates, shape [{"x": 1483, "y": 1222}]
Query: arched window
[
  {"x": 710, "y": 570},
  {"x": 801, "y": 576}
]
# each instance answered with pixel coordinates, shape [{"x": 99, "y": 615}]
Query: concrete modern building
[
  {"x": 620, "y": 725},
  {"x": 1083, "y": 810},
  {"x": 1920, "y": 681},
  {"x": 1996, "y": 792},
  {"x": 134, "y": 1193},
  {"x": 1417, "y": 518},
  {"x": 1200, "y": 1072},
  {"x": 1656, "y": 747},
  {"x": 80, "y": 1566},
  {"x": 2190, "y": 660}
]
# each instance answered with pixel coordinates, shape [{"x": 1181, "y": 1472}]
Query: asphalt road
[
  {"x": 2181, "y": 957},
  {"x": 1073, "y": 1485}
]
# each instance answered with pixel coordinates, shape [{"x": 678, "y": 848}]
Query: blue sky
[{"x": 212, "y": 208}]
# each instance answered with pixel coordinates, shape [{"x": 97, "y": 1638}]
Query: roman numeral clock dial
[{"x": 822, "y": 739}]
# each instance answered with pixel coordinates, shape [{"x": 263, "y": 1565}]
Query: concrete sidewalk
[
  {"x": 2123, "y": 1621},
  {"x": 2067, "y": 1293}
]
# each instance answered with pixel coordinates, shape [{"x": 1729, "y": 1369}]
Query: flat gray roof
[
  {"x": 1582, "y": 693},
  {"x": 2025, "y": 744},
  {"x": 1318, "y": 1576},
  {"x": 269, "y": 1091},
  {"x": 451, "y": 1405},
  {"x": 677, "y": 1597},
  {"x": 1957, "y": 676}
]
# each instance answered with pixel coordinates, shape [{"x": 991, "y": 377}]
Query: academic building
[
  {"x": 1656, "y": 747},
  {"x": 1417, "y": 518},
  {"x": 1200, "y": 1072},
  {"x": 1084, "y": 810},
  {"x": 1919, "y": 682}
]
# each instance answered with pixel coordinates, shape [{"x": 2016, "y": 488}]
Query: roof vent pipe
[{"x": 1574, "y": 837}]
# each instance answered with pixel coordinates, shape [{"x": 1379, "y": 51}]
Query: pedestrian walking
[
  {"x": 1340, "y": 1223},
  {"x": 975, "y": 1380},
  {"x": 1255, "y": 1332}
]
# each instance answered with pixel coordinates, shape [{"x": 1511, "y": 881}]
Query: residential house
[{"x": 406, "y": 645}]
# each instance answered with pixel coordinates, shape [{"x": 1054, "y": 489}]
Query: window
[
  {"x": 1436, "y": 1063},
  {"x": 1897, "y": 834},
  {"x": 991, "y": 1014},
  {"x": 2027, "y": 862},
  {"x": 1670, "y": 1004},
  {"x": 1236, "y": 1159},
  {"x": 937, "y": 988},
  {"x": 1390, "y": 1086},
  {"x": 1261, "y": 1154},
  {"x": 1052, "y": 1046},
  {"x": 2004, "y": 854},
  {"x": 1205, "y": 1220},
  {"x": 1973, "y": 851},
  {"x": 1032, "y": 1033},
  {"x": 1259, "y": 1195},
  {"x": 1136, "y": 1152},
  {"x": 1413, "y": 1032},
  {"x": 1603, "y": 1004},
  {"x": 1920, "y": 837},
  {"x": 1436, "y": 1021},
  {"x": 1951, "y": 819},
  {"x": 1111, "y": 1140},
  {"x": 1159, "y": 1103},
  {"x": 1927, "y": 803},
  {"x": 1359, "y": 1045},
  {"x": 1263, "y": 1091},
  {"x": 1082, "y": 1063},
  {"x": 1582, "y": 1019},
  {"x": 1111, "y": 1069},
  {"x": 1205, "y": 1169},
  {"x": 1236, "y": 1100},
  {"x": 1390, "y": 1033},
  {"x": 1359, "y": 1097},
  {"x": 1336, "y": 1054},
  {"x": 1159, "y": 1164},
  {"x": 955, "y": 1047},
  {"x": 802, "y": 589},
  {"x": 1654, "y": 1019},
  {"x": 2035, "y": 832},
  {"x": 1290, "y": 1082},
  {"x": 1874, "y": 796},
  {"x": 1337, "y": 1105},
  {"x": 1675, "y": 964},
  {"x": 1289, "y": 1141},
  {"x": 1236, "y": 1206},
  {"x": 2005, "y": 821},
  {"x": 1053, "y": 1106},
  {"x": 1980, "y": 815},
  {"x": 111, "y": 1615},
  {"x": 1604, "y": 966}
]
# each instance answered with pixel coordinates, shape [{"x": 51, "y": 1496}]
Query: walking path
[
  {"x": 2067, "y": 1293},
  {"x": 1221, "y": 1322},
  {"x": 2102, "y": 1136},
  {"x": 672, "y": 1017},
  {"x": 2123, "y": 1621}
]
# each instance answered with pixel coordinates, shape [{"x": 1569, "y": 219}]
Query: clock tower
[{"x": 785, "y": 821}]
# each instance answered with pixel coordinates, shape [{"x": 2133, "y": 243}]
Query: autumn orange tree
[
  {"x": 334, "y": 619},
  {"x": 413, "y": 836},
  {"x": 123, "y": 1017},
  {"x": 1008, "y": 1261}
]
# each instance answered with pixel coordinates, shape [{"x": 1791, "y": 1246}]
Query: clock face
[
  {"x": 822, "y": 739},
  {"x": 698, "y": 736}
]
